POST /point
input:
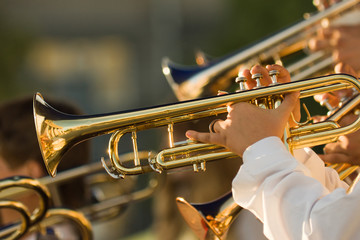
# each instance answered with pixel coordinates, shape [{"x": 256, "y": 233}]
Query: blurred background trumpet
[
  {"x": 288, "y": 47},
  {"x": 109, "y": 198},
  {"x": 43, "y": 216}
]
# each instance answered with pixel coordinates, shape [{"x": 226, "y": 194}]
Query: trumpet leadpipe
[{"x": 57, "y": 132}]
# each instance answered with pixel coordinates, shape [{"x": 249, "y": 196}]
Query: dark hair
[{"x": 18, "y": 142}]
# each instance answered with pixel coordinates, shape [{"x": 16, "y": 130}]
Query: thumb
[
  {"x": 344, "y": 68},
  {"x": 289, "y": 103}
]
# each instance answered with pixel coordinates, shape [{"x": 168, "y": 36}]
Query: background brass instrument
[
  {"x": 28, "y": 218},
  {"x": 287, "y": 47},
  {"x": 43, "y": 216},
  {"x": 24, "y": 222},
  {"x": 110, "y": 197},
  {"x": 57, "y": 132},
  {"x": 210, "y": 220}
]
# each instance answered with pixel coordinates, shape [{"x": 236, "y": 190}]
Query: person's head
[{"x": 19, "y": 148}]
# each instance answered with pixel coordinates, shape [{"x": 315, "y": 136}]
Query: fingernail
[{"x": 189, "y": 134}]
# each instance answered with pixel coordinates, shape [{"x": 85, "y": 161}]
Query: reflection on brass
[
  {"x": 54, "y": 127},
  {"x": 110, "y": 196},
  {"x": 287, "y": 47},
  {"x": 41, "y": 217},
  {"x": 210, "y": 220}
]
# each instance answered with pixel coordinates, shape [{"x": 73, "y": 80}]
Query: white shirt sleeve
[
  {"x": 295, "y": 198},
  {"x": 326, "y": 176}
]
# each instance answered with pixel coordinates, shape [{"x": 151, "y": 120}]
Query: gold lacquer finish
[
  {"x": 210, "y": 220},
  {"x": 24, "y": 224},
  {"x": 34, "y": 185},
  {"x": 191, "y": 82},
  {"x": 104, "y": 205},
  {"x": 57, "y": 132},
  {"x": 41, "y": 217},
  {"x": 83, "y": 225}
]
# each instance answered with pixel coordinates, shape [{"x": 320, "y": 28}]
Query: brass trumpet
[
  {"x": 191, "y": 82},
  {"x": 57, "y": 132}
]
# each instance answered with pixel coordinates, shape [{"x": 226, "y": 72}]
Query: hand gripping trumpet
[
  {"x": 57, "y": 132},
  {"x": 212, "y": 220}
]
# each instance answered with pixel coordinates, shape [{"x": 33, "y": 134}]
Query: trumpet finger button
[
  {"x": 241, "y": 81},
  {"x": 273, "y": 74},
  {"x": 257, "y": 77}
]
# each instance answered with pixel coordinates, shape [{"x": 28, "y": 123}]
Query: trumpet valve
[
  {"x": 241, "y": 81},
  {"x": 257, "y": 77},
  {"x": 260, "y": 102},
  {"x": 199, "y": 167},
  {"x": 273, "y": 74},
  {"x": 325, "y": 103},
  {"x": 275, "y": 100},
  {"x": 331, "y": 109}
]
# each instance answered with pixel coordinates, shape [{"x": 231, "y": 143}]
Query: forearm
[{"x": 281, "y": 192}]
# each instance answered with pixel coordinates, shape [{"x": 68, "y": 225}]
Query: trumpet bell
[
  {"x": 192, "y": 82},
  {"x": 58, "y": 132},
  {"x": 52, "y": 140},
  {"x": 209, "y": 220}
]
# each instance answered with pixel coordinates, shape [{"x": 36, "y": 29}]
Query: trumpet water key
[{"x": 57, "y": 132}]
